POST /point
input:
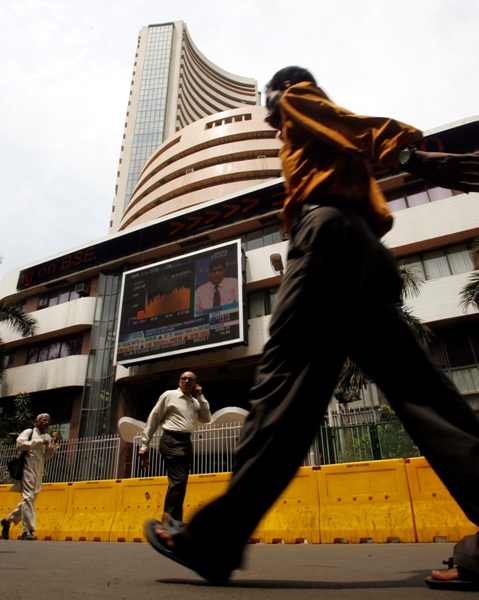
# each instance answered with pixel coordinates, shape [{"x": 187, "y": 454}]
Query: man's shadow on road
[{"x": 414, "y": 581}]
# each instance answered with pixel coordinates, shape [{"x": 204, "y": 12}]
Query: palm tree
[
  {"x": 352, "y": 379},
  {"x": 470, "y": 292},
  {"x": 16, "y": 318}
]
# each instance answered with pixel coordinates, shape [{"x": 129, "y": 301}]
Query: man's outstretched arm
[{"x": 453, "y": 171}]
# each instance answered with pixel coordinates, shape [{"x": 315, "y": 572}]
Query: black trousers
[
  {"x": 338, "y": 298},
  {"x": 177, "y": 453}
]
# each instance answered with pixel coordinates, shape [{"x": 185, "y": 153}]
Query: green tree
[
  {"x": 22, "y": 417},
  {"x": 393, "y": 438},
  {"x": 11, "y": 425},
  {"x": 352, "y": 379},
  {"x": 20, "y": 321},
  {"x": 470, "y": 292}
]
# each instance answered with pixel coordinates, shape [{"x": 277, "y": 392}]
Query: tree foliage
[
  {"x": 393, "y": 438},
  {"x": 470, "y": 292},
  {"x": 11, "y": 425},
  {"x": 352, "y": 377},
  {"x": 20, "y": 321}
]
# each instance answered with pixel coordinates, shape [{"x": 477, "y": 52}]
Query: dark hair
[
  {"x": 217, "y": 262},
  {"x": 292, "y": 74}
]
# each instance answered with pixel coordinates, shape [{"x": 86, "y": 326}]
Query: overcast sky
[{"x": 66, "y": 69}]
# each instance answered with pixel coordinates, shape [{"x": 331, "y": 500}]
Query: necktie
[{"x": 216, "y": 297}]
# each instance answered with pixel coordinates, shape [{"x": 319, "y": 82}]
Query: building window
[
  {"x": 457, "y": 352},
  {"x": 60, "y": 295},
  {"x": 262, "y": 237},
  {"x": 8, "y": 359},
  {"x": 415, "y": 195},
  {"x": 262, "y": 303},
  {"x": 441, "y": 263},
  {"x": 67, "y": 346}
]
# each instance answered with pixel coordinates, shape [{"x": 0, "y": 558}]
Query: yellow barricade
[
  {"x": 378, "y": 501},
  {"x": 437, "y": 515},
  {"x": 365, "y": 502},
  {"x": 92, "y": 508},
  {"x": 51, "y": 507},
  {"x": 201, "y": 490},
  {"x": 138, "y": 500},
  {"x": 294, "y": 517},
  {"x": 8, "y": 501}
]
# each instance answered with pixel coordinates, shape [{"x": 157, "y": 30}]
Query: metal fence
[
  {"x": 86, "y": 459},
  {"x": 213, "y": 447},
  {"x": 81, "y": 459}
]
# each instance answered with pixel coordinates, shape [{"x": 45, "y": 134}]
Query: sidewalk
[{"x": 95, "y": 570}]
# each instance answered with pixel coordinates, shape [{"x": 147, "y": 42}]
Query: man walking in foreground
[{"x": 336, "y": 214}]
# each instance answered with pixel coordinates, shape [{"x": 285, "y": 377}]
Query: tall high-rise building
[{"x": 173, "y": 85}]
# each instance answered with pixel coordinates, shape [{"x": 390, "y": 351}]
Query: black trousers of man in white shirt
[{"x": 177, "y": 453}]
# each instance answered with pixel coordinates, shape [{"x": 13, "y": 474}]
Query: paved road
[{"x": 101, "y": 570}]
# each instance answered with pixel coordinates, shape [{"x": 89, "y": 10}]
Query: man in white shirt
[
  {"x": 39, "y": 447},
  {"x": 220, "y": 290},
  {"x": 177, "y": 412}
]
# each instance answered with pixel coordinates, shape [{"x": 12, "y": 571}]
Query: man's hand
[
  {"x": 451, "y": 171},
  {"x": 145, "y": 459}
]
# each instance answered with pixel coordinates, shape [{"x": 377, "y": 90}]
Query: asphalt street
[{"x": 97, "y": 570}]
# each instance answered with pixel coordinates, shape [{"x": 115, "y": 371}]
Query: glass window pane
[
  {"x": 438, "y": 193},
  {"x": 417, "y": 198},
  {"x": 70, "y": 346},
  {"x": 436, "y": 265},
  {"x": 271, "y": 235},
  {"x": 474, "y": 340},
  {"x": 273, "y": 295},
  {"x": 54, "y": 351},
  {"x": 43, "y": 353},
  {"x": 8, "y": 359},
  {"x": 63, "y": 296},
  {"x": 460, "y": 259},
  {"x": 76, "y": 345},
  {"x": 414, "y": 264},
  {"x": 397, "y": 204},
  {"x": 32, "y": 355},
  {"x": 458, "y": 349},
  {"x": 53, "y": 300},
  {"x": 396, "y": 200},
  {"x": 256, "y": 305},
  {"x": 254, "y": 240},
  {"x": 438, "y": 351}
]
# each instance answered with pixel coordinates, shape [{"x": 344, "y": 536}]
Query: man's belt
[{"x": 178, "y": 435}]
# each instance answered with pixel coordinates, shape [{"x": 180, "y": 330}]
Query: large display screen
[{"x": 190, "y": 303}]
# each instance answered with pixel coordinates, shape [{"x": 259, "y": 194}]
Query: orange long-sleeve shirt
[{"x": 327, "y": 151}]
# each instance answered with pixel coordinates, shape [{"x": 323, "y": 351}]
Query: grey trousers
[{"x": 25, "y": 509}]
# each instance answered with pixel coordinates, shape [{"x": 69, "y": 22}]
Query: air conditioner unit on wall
[{"x": 82, "y": 289}]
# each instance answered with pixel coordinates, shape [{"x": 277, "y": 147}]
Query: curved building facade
[{"x": 213, "y": 157}]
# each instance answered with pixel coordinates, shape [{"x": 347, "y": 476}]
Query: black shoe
[
  {"x": 5, "y": 529},
  {"x": 213, "y": 571},
  {"x": 28, "y": 535}
]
